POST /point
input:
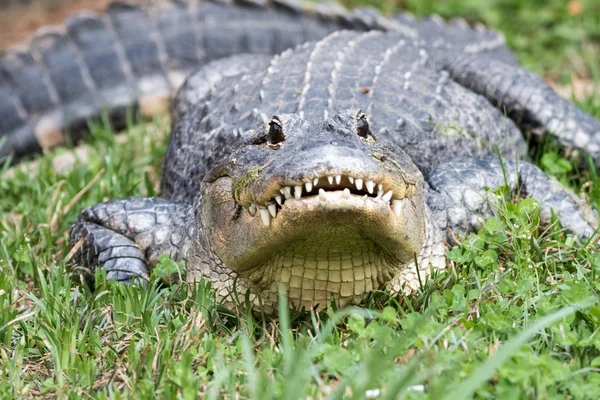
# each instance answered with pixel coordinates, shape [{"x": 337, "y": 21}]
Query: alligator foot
[
  {"x": 529, "y": 101},
  {"x": 460, "y": 203},
  {"x": 125, "y": 237}
]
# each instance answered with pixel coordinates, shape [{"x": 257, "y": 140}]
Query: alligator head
[{"x": 324, "y": 209}]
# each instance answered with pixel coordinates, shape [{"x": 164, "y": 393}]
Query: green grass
[{"x": 516, "y": 315}]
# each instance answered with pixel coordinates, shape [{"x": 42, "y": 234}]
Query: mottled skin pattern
[{"x": 340, "y": 166}]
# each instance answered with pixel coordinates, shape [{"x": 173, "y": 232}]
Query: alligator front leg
[
  {"x": 459, "y": 201},
  {"x": 529, "y": 101},
  {"x": 125, "y": 237}
]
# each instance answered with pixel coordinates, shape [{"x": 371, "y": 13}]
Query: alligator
[{"x": 340, "y": 166}]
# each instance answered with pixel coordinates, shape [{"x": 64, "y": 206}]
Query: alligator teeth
[
  {"x": 322, "y": 195},
  {"x": 264, "y": 216},
  {"x": 286, "y": 191},
  {"x": 388, "y": 196},
  {"x": 272, "y": 209},
  {"x": 358, "y": 183},
  {"x": 398, "y": 206}
]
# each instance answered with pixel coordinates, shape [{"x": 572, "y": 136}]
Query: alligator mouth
[
  {"x": 334, "y": 190},
  {"x": 319, "y": 237}
]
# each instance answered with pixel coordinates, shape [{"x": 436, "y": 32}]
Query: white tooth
[
  {"x": 264, "y": 215},
  {"x": 322, "y": 195},
  {"x": 278, "y": 199},
  {"x": 358, "y": 183},
  {"x": 338, "y": 179},
  {"x": 351, "y": 179},
  {"x": 297, "y": 192},
  {"x": 388, "y": 196},
  {"x": 308, "y": 186},
  {"x": 286, "y": 191},
  {"x": 316, "y": 181},
  {"x": 330, "y": 179},
  {"x": 398, "y": 205},
  {"x": 272, "y": 209},
  {"x": 379, "y": 189},
  {"x": 370, "y": 186},
  {"x": 346, "y": 193},
  {"x": 252, "y": 209}
]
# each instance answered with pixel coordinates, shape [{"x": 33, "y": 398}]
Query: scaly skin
[
  {"x": 340, "y": 166},
  {"x": 133, "y": 57},
  {"x": 126, "y": 237}
]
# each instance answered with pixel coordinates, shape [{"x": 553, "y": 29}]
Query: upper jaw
[{"x": 360, "y": 172}]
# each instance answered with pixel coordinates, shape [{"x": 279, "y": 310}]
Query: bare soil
[{"x": 20, "y": 18}]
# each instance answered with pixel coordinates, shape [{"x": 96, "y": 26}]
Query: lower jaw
[{"x": 331, "y": 264}]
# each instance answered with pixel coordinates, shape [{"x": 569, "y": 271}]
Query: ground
[{"x": 515, "y": 316}]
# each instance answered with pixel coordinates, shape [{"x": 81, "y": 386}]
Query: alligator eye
[
  {"x": 362, "y": 126},
  {"x": 276, "y": 134}
]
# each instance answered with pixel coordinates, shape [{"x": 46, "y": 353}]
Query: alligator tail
[{"x": 132, "y": 57}]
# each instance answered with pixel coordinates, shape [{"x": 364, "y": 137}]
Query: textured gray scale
[
  {"x": 57, "y": 54},
  {"x": 134, "y": 30},
  {"x": 282, "y": 86},
  {"x": 379, "y": 78},
  {"x": 260, "y": 39},
  {"x": 313, "y": 28},
  {"x": 20, "y": 141},
  {"x": 339, "y": 91},
  {"x": 357, "y": 70},
  {"x": 70, "y": 79},
  {"x": 13, "y": 118},
  {"x": 318, "y": 70},
  {"x": 448, "y": 38},
  {"x": 175, "y": 26},
  {"x": 206, "y": 15},
  {"x": 25, "y": 79},
  {"x": 454, "y": 115},
  {"x": 99, "y": 53},
  {"x": 218, "y": 42},
  {"x": 198, "y": 85},
  {"x": 16, "y": 133},
  {"x": 251, "y": 29},
  {"x": 12, "y": 115}
]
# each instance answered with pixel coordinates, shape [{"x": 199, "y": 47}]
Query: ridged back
[
  {"x": 134, "y": 58},
  {"x": 131, "y": 57}
]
